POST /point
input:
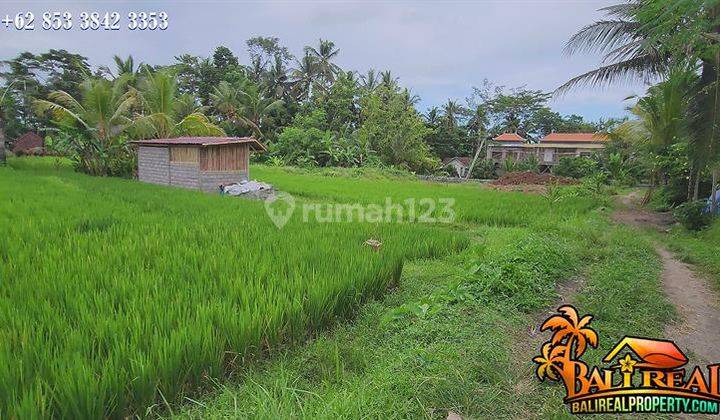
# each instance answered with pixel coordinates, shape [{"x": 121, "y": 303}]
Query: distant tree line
[{"x": 307, "y": 109}]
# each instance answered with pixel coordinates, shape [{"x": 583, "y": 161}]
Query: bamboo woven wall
[
  {"x": 231, "y": 157},
  {"x": 186, "y": 154}
]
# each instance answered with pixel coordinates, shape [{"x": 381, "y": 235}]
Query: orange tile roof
[
  {"x": 509, "y": 137},
  {"x": 574, "y": 137}
]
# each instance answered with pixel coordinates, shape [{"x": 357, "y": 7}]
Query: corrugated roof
[
  {"x": 202, "y": 141},
  {"x": 574, "y": 137},
  {"x": 509, "y": 137}
]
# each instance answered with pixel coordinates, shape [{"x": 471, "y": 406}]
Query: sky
[{"x": 438, "y": 49}]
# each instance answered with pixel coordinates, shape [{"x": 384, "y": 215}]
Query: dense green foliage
[
  {"x": 692, "y": 215},
  {"x": 677, "y": 42},
  {"x": 102, "y": 312},
  {"x": 367, "y": 119},
  {"x": 446, "y": 339}
]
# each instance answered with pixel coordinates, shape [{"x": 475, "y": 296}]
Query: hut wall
[
  {"x": 184, "y": 175},
  {"x": 222, "y": 165},
  {"x": 184, "y": 166},
  {"x": 231, "y": 157},
  {"x": 153, "y": 165},
  {"x": 210, "y": 181}
]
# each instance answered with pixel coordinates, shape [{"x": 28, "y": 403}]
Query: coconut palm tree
[
  {"x": 370, "y": 80},
  {"x": 451, "y": 112},
  {"x": 245, "y": 105},
  {"x": 388, "y": 81},
  {"x": 162, "y": 113},
  {"x": 124, "y": 68},
  {"x": 634, "y": 48},
  {"x": 323, "y": 56},
  {"x": 623, "y": 41},
  {"x": 432, "y": 117},
  {"x": 276, "y": 80},
  {"x": 411, "y": 99},
  {"x": 101, "y": 112},
  {"x": 304, "y": 77}
]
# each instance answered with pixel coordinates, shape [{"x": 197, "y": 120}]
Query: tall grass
[
  {"x": 115, "y": 295},
  {"x": 473, "y": 203}
]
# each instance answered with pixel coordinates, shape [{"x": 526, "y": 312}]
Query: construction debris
[{"x": 248, "y": 189}]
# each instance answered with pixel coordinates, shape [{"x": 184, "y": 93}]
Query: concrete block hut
[{"x": 202, "y": 163}]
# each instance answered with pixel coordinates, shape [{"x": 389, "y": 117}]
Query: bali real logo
[{"x": 642, "y": 375}]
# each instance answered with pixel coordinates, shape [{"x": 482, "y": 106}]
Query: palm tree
[
  {"x": 451, "y": 111},
  {"x": 628, "y": 53},
  {"x": 370, "y": 80},
  {"x": 245, "y": 105},
  {"x": 661, "y": 116},
  {"x": 277, "y": 79},
  {"x": 633, "y": 50},
  {"x": 432, "y": 117},
  {"x": 163, "y": 115},
  {"x": 411, "y": 99},
  {"x": 304, "y": 77},
  {"x": 323, "y": 55},
  {"x": 101, "y": 112},
  {"x": 388, "y": 81},
  {"x": 124, "y": 67}
]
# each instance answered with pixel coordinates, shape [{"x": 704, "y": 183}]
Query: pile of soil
[{"x": 533, "y": 178}]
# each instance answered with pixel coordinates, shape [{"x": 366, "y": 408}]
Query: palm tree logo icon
[{"x": 570, "y": 339}]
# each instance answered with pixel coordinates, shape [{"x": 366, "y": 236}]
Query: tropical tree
[
  {"x": 645, "y": 39},
  {"x": 452, "y": 110},
  {"x": 388, "y": 81},
  {"x": 100, "y": 112},
  {"x": 624, "y": 42},
  {"x": 93, "y": 124},
  {"x": 245, "y": 104},
  {"x": 323, "y": 56},
  {"x": 395, "y": 131},
  {"x": 163, "y": 116},
  {"x": 370, "y": 80},
  {"x": 304, "y": 77}
]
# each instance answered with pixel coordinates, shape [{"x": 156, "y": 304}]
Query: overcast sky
[{"x": 438, "y": 49}]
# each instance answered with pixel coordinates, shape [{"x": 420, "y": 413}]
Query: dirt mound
[{"x": 532, "y": 178}]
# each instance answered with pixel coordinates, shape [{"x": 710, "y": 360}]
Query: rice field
[{"x": 117, "y": 295}]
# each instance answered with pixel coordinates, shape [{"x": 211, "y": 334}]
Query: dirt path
[{"x": 697, "y": 303}]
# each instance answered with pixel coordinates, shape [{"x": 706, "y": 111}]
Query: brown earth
[{"x": 697, "y": 303}]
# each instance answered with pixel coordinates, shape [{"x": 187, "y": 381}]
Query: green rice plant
[{"x": 117, "y": 295}]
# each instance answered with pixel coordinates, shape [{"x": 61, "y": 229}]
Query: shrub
[
  {"x": 529, "y": 163},
  {"x": 576, "y": 167},
  {"x": 484, "y": 169},
  {"x": 692, "y": 215}
]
